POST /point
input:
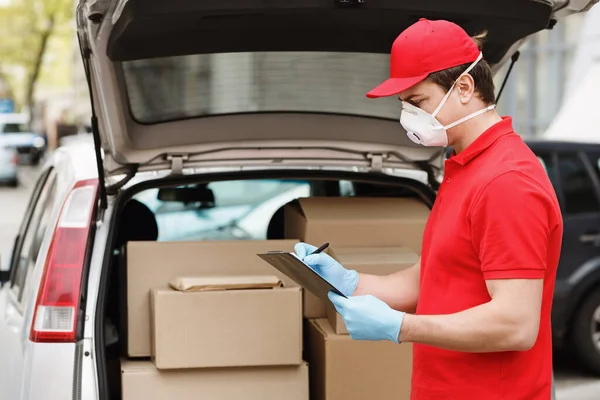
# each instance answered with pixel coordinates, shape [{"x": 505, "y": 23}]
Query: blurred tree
[
  {"x": 26, "y": 27},
  {"x": 5, "y": 87}
]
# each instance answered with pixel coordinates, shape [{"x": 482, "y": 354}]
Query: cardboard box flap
[
  {"x": 212, "y": 283},
  {"x": 136, "y": 366},
  {"x": 359, "y": 208},
  {"x": 323, "y": 326}
]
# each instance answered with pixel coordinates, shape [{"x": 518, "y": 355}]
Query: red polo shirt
[{"x": 496, "y": 216}]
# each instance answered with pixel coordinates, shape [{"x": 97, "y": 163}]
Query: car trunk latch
[
  {"x": 376, "y": 161},
  {"x": 177, "y": 163}
]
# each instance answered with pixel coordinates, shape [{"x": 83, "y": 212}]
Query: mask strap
[
  {"x": 475, "y": 114},
  {"x": 473, "y": 64}
]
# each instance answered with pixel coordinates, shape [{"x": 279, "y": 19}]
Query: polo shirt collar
[{"x": 485, "y": 140}]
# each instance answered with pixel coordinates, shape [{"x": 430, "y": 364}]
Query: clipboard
[{"x": 296, "y": 269}]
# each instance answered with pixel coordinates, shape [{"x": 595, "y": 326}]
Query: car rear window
[
  {"x": 14, "y": 128},
  {"x": 244, "y": 209},
  {"x": 172, "y": 88}
]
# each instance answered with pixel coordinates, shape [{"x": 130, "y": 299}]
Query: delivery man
[{"x": 477, "y": 304}]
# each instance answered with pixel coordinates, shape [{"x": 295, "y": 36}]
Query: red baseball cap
[{"x": 422, "y": 48}]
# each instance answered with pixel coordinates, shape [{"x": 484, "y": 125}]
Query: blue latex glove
[
  {"x": 344, "y": 279},
  {"x": 368, "y": 318}
]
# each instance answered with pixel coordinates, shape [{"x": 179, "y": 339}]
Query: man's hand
[
  {"x": 368, "y": 318},
  {"x": 343, "y": 279}
]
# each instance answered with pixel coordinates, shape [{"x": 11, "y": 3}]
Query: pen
[{"x": 320, "y": 249}]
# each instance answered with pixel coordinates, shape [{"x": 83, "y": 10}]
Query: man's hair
[{"x": 481, "y": 73}]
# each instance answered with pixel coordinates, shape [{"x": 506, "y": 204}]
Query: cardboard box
[
  {"x": 343, "y": 368},
  {"x": 142, "y": 381},
  {"x": 227, "y": 327},
  {"x": 151, "y": 265},
  {"x": 312, "y": 306},
  {"x": 354, "y": 222},
  {"x": 373, "y": 260},
  {"x": 357, "y": 221}
]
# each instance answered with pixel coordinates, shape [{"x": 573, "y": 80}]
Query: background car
[
  {"x": 224, "y": 210},
  {"x": 8, "y": 164},
  {"x": 574, "y": 170},
  {"x": 29, "y": 145}
]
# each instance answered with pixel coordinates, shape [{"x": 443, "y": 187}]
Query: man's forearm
[
  {"x": 399, "y": 290},
  {"x": 485, "y": 328}
]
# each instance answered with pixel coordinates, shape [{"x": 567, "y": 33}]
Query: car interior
[{"x": 209, "y": 209}]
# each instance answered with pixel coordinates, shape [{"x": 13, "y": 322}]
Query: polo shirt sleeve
[{"x": 510, "y": 227}]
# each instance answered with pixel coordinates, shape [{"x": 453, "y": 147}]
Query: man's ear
[{"x": 466, "y": 88}]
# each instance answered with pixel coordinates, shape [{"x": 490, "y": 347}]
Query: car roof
[
  {"x": 12, "y": 118},
  {"x": 78, "y": 155},
  {"x": 563, "y": 145}
]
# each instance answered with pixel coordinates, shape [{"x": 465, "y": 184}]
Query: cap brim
[{"x": 394, "y": 86}]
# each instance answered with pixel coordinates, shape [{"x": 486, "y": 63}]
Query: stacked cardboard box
[
  {"x": 142, "y": 381},
  {"x": 218, "y": 322},
  {"x": 227, "y": 326},
  {"x": 350, "y": 222},
  {"x": 376, "y": 236},
  {"x": 342, "y": 368},
  {"x": 371, "y": 260},
  {"x": 152, "y": 265}
]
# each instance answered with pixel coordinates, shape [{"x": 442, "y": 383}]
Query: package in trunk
[
  {"x": 226, "y": 322},
  {"x": 354, "y": 222},
  {"x": 370, "y": 260},
  {"x": 141, "y": 380},
  {"x": 357, "y": 221},
  {"x": 152, "y": 265},
  {"x": 343, "y": 368}
]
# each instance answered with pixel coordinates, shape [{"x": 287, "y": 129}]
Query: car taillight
[
  {"x": 15, "y": 159},
  {"x": 57, "y": 306}
]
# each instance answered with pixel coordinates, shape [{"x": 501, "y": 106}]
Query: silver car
[
  {"x": 268, "y": 96},
  {"x": 9, "y": 159},
  {"x": 30, "y": 146}
]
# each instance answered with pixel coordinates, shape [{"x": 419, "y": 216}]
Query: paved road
[{"x": 571, "y": 381}]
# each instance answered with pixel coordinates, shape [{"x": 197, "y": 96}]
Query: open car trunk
[
  {"x": 200, "y": 226},
  {"x": 246, "y": 83}
]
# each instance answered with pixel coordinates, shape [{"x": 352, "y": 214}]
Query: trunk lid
[{"x": 252, "y": 83}]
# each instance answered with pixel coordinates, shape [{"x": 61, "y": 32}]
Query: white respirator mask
[{"x": 423, "y": 128}]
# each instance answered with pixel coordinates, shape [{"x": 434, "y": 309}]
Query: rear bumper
[
  {"x": 49, "y": 372},
  {"x": 29, "y": 150},
  {"x": 29, "y": 154}
]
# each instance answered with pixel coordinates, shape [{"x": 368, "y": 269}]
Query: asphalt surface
[{"x": 572, "y": 381}]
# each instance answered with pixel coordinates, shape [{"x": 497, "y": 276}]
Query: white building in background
[
  {"x": 539, "y": 81},
  {"x": 579, "y": 117},
  {"x": 588, "y": 49}
]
